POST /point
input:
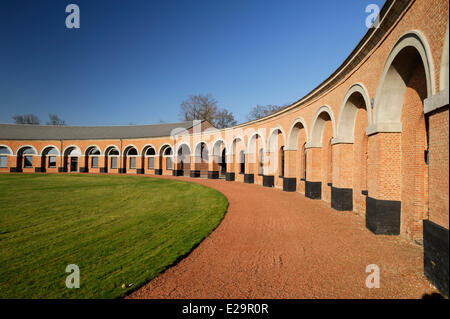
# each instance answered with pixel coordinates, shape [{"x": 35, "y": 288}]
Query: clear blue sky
[{"x": 136, "y": 61}]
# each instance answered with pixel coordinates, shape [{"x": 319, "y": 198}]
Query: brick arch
[
  {"x": 49, "y": 146},
  {"x": 323, "y": 115},
  {"x": 412, "y": 48},
  {"x": 292, "y": 141},
  {"x": 355, "y": 98},
  {"x": 271, "y": 138},
  {"x": 251, "y": 141}
]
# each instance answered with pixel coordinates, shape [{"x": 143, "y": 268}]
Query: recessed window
[
  {"x": 52, "y": 161},
  {"x": 28, "y": 161},
  {"x": 3, "y": 161},
  {"x": 151, "y": 162},
  {"x": 4, "y": 151},
  {"x": 113, "y": 162},
  {"x": 169, "y": 162},
  {"x": 94, "y": 162},
  {"x": 133, "y": 162}
]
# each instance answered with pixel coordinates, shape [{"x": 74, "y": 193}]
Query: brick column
[
  {"x": 341, "y": 189},
  {"x": 383, "y": 203},
  {"x": 231, "y": 171},
  {"x": 290, "y": 168},
  {"x": 249, "y": 176},
  {"x": 157, "y": 165},
  {"x": 213, "y": 167},
  {"x": 313, "y": 181}
]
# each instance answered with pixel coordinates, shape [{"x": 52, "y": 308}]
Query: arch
[
  {"x": 22, "y": 147},
  {"x": 111, "y": 147},
  {"x": 7, "y": 148},
  {"x": 230, "y": 149},
  {"x": 397, "y": 70},
  {"x": 130, "y": 147},
  {"x": 270, "y": 140},
  {"x": 49, "y": 146},
  {"x": 251, "y": 142},
  {"x": 323, "y": 115},
  {"x": 183, "y": 146},
  {"x": 145, "y": 148},
  {"x": 90, "y": 148},
  {"x": 216, "y": 147},
  {"x": 198, "y": 151},
  {"x": 292, "y": 140},
  {"x": 443, "y": 73},
  {"x": 70, "y": 148},
  {"x": 163, "y": 148},
  {"x": 355, "y": 98}
]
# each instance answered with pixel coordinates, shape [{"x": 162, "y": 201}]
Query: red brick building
[{"x": 373, "y": 138}]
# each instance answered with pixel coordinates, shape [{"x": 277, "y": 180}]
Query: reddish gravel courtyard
[{"x": 274, "y": 244}]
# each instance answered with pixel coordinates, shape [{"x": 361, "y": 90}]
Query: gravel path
[{"x": 274, "y": 244}]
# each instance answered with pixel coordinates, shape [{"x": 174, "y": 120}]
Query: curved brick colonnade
[{"x": 372, "y": 138}]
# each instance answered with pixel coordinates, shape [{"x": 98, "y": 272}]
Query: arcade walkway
[{"x": 273, "y": 244}]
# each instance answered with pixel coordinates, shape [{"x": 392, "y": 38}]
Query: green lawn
[{"x": 117, "y": 229}]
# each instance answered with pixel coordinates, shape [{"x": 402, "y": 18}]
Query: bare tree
[
  {"x": 224, "y": 119},
  {"x": 204, "y": 107},
  {"x": 199, "y": 107},
  {"x": 260, "y": 111},
  {"x": 26, "y": 119},
  {"x": 55, "y": 120}
]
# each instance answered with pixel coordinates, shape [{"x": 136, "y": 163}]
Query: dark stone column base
[
  {"x": 61, "y": 170},
  {"x": 177, "y": 172},
  {"x": 84, "y": 170},
  {"x": 313, "y": 190},
  {"x": 140, "y": 171},
  {"x": 342, "y": 198},
  {"x": 213, "y": 174},
  {"x": 158, "y": 171},
  {"x": 39, "y": 169},
  {"x": 383, "y": 216},
  {"x": 14, "y": 170},
  {"x": 268, "y": 181},
  {"x": 230, "y": 177},
  {"x": 103, "y": 170},
  {"x": 435, "y": 255},
  {"x": 249, "y": 178},
  {"x": 122, "y": 170},
  {"x": 194, "y": 173},
  {"x": 289, "y": 184}
]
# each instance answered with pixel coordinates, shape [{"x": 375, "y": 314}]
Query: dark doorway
[{"x": 74, "y": 164}]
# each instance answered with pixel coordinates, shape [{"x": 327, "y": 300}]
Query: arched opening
[
  {"x": 255, "y": 160},
  {"x": 5, "y": 153},
  {"x": 201, "y": 157},
  {"x": 219, "y": 163},
  {"x": 71, "y": 155},
  {"x": 236, "y": 167},
  {"x": 399, "y": 148},
  {"x": 276, "y": 152},
  {"x": 130, "y": 159},
  {"x": 49, "y": 159},
  {"x": 112, "y": 155},
  {"x": 148, "y": 158},
  {"x": 184, "y": 159},
  {"x": 25, "y": 156},
  {"x": 166, "y": 160},
  {"x": 350, "y": 150},
  {"x": 320, "y": 170},
  {"x": 91, "y": 159},
  {"x": 296, "y": 161}
]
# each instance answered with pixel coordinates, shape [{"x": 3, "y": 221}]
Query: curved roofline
[{"x": 389, "y": 14}]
